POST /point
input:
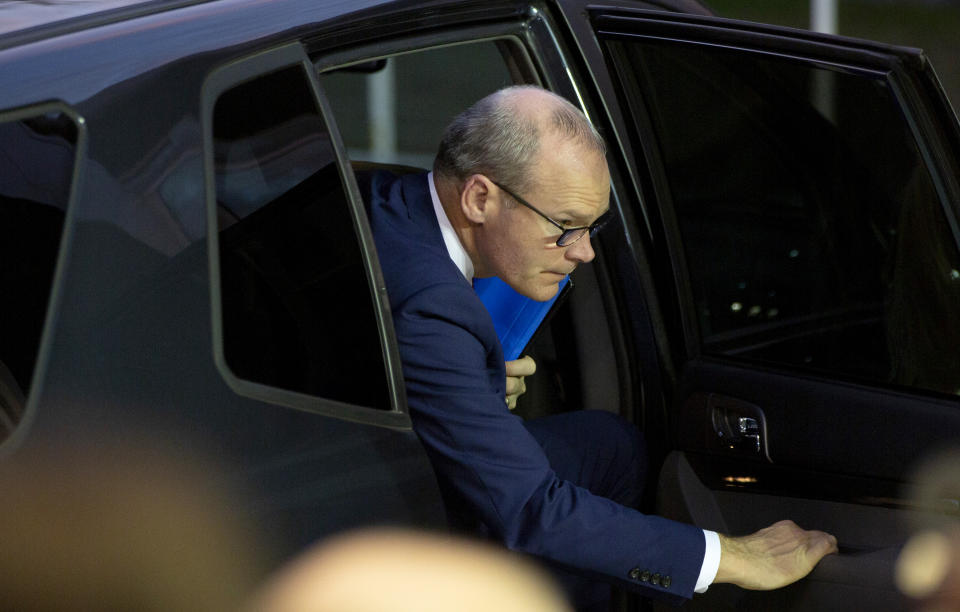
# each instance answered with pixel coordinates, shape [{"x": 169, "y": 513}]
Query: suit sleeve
[{"x": 486, "y": 459}]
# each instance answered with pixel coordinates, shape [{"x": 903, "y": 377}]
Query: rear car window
[{"x": 37, "y": 157}]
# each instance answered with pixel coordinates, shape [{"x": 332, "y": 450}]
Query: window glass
[
  {"x": 37, "y": 157},
  {"x": 296, "y": 304},
  {"x": 812, "y": 232},
  {"x": 383, "y": 114}
]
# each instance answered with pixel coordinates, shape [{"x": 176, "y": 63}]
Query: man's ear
[{"x": 475, "y": 199}]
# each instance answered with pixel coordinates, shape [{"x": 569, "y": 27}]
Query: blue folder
[{"x": 515, "y": 317}]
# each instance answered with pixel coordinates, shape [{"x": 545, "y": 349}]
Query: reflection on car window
[
  {"x": 296, "y": 305},
  {"x": 813, "y": 235},
  {"x": 37, "y": 157}
]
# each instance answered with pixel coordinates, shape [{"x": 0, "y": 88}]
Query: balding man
[{"x": 519, "y": 185}]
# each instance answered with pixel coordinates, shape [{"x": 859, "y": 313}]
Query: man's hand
[
  {"x": 772, "y": 557},
  {"x": 516, "y": 370}
]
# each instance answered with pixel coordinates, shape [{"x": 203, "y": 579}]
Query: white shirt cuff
[{"x": 711, "y": 561}]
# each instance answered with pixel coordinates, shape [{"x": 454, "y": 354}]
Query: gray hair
[{"x": 494, "y": 138}]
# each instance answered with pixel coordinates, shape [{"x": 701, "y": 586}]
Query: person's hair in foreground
[{"x": 393, "y": 570}]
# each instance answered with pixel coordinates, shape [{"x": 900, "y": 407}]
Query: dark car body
[{"x": 775, "y": 305}]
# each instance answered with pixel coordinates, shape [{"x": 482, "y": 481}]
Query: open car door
[{"x": 801, "y": 194}]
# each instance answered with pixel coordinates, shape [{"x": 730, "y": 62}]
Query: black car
[{"x": 184, "y": 252}]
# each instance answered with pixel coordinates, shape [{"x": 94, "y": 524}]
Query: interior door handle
[
  {"x": 749, "y": 431},
  {"x": 740, "y": 426}
]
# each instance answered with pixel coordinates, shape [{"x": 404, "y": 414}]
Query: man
[{"x": 519, "y": 184}]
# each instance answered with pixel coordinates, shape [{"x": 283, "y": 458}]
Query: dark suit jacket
[{"x": 490, "y": 468}]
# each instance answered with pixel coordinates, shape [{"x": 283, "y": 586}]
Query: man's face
[{"x": 572, "y": 187}]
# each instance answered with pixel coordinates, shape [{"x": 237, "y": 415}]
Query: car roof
[
  {"x": 18, "y": 15},
  {"x": 55, "y": 16}
]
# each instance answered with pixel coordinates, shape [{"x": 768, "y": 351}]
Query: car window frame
[
  {"x": 510, "y": 31},
  {"x": 218, "y": 81},
  {"x": 55, "y": 299}
]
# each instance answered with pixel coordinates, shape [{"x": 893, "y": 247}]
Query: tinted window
[
  {"x": 812, "y": 232},
  {"x": 37, "y": 156},
  {"x": 296, "y": 304}
]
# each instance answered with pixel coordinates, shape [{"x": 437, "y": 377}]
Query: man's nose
[{"x": 581, "y": 251}]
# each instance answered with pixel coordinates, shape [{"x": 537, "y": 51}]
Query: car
[{"x": 186, "y": 256}]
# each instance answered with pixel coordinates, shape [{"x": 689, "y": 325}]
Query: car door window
[
  {"x": 381, "y": 110},
  {"x": 295, "y": 304},
  {"x": 811, "y": 229},
  {"x": 38, "y": 152}
]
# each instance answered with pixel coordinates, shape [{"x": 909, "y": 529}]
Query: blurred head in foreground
[
  {"x": 928, "y": 569},
  {"x": 121, "y": 526},
  {"x": 387, "y": 570}
]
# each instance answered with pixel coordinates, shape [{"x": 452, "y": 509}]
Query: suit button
[
  {"x": 645, "y": 576},
  {"x": 665, "y": 581},
  {"x": 655, "y": 579},
  {"x": 634, "y": 573}
]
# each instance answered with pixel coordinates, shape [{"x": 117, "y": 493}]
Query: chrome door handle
[
  {"x": 739, "y": 426},
  {"x": 749, "y": 431}
]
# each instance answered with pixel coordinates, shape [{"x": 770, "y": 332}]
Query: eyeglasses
[{"x": 569, "y": 235}]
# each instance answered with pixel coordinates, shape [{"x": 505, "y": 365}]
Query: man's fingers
[
  {"x": 821, "y": 544},
  {"x": 525, "y": 366},
  {"x": 772, "y": 557},
  {"x": 515, "y": 385},
  {"x": 817, "y": 544},
  {"x": 516, "y": 370}
]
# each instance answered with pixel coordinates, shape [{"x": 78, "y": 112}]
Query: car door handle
[
  {"x": 748, "y": 433},
  {"x": 739, "y": 426}
]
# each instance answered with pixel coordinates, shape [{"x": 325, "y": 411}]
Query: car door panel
[{"x": 870, "y": 540}]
